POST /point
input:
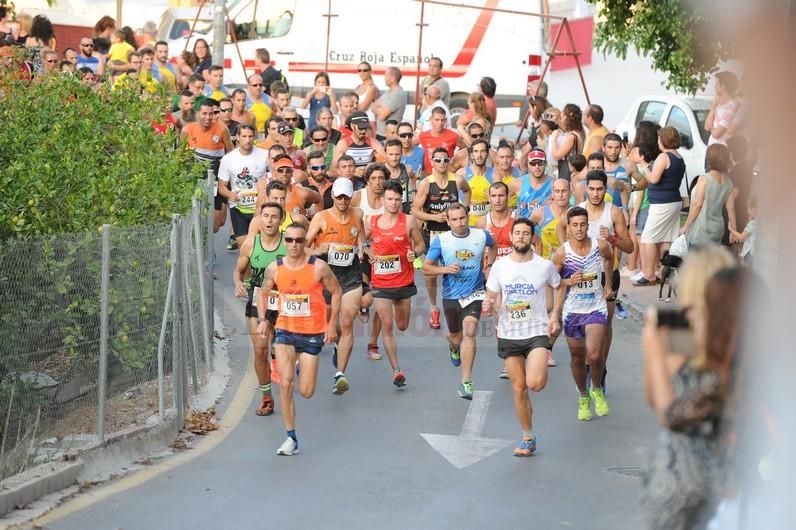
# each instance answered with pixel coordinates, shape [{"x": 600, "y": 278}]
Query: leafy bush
[{"x": 73, "y": 159}]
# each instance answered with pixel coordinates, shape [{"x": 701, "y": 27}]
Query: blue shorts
[
  {"x": 303, "y": 343},
  {"x": 575, "y": 323}
]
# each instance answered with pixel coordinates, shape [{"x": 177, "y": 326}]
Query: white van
[
  {"x": 472, "y": 43},
  {"x": 687, "y": 115}
]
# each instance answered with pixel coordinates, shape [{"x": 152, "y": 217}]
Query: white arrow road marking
[{"x": 468, "y": 447}]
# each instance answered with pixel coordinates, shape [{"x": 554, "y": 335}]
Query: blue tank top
[
  {"x": 668, "y": 189},
  {"x": 529, "y": 199},
  {"x": 315, "y": 106},
  {"x": 616, "y": 192},
  {"x": 414, "y": 160}
]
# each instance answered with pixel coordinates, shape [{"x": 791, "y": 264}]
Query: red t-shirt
[{"x": 429, "y": 142}]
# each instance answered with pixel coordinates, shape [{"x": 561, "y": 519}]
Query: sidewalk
[{"x": 636, "y": 299}]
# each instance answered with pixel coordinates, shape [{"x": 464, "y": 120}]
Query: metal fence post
[
  {"x": 200, "y": 268},
  {"x": 161, "y": 345},
  {"x": 105, "y": 281},
  {"x": 191, "y": 325},
  {"x": 211, "y": 253},
  {"x": 177, "y": 341}
]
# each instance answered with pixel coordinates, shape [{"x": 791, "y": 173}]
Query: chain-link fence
[{"x": 101, "y": 332}]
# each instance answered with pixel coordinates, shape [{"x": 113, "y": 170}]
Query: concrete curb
[{"x": 45, "y": 479}]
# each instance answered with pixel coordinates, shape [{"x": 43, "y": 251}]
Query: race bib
[
  {"x": 247, "y": 198},
  {"x": 273, "y": 299},
  {"x": 479, "y": 210},
  {"x": 387, "y": 264},
  {"x": 587, "y": 287},
  {"x": 475, "y": 297},
  {"x": 296, "y": 305},
  {"x": 341, "y": 255},
  {"x": 518, "y": 312}
]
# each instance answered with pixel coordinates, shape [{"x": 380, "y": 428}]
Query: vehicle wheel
[{"x": 458, "y": 107}]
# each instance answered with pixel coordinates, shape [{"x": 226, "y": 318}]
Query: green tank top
[{"x": 262, "y": 258}]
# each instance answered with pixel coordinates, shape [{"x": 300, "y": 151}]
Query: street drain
[{"x": 627, "y": 471}]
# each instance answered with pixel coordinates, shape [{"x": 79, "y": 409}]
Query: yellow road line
[{"x": 232, "y": 417}]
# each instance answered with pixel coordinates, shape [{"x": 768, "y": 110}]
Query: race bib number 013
[
  {"x": 387, "y": 264},
  {"x": 296, "y": 305},
  {"x": 341, "y": 255},
  {"x": 587, "y": 286},
  {"x": 476, "y": 296}
]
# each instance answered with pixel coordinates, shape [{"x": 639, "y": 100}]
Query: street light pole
[{"x": 219, "y": 31}]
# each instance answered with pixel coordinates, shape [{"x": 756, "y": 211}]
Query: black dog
[{"x": 670, "y": 265}]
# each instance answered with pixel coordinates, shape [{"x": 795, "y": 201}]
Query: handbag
[{"x": 679, "y": 246}]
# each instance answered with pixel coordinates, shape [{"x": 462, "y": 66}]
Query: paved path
[{"x": 364, "y": 463}]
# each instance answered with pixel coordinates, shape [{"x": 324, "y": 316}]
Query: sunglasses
[
  {"x": 536, "y": 163},
  {"x": 226, "y": 110},
  {"x": 291, "y": 119},
  {"x": 476, "y": 136},
  {"x": 343, "y": 197},
  {"x": 51, "y": 61},
  {"x": 320, "y": 139},
  {"x": 441, "y": 160},
  {"x": 363, "y": 69},
  {"x": 216, "y": 112},
  {"x": 284, "y": 170},
  {"x": 87, "y": 45},
  {"x": 318, "y": 168},
  {"x": 405, "y": 135},
  {"x": 299, "y": 240}
]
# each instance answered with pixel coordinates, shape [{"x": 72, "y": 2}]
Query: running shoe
[
  {"x": 601, "y": 407},
  {"x": 433, "y": 322},
  {"x": 373, "y": 352},
  {"x": 504, "y": 374},
  {"x": 399, "y": 378},
  {"x": 341, "y": 385},
  {"x": 456, "y": 358},
  {"x": 550, "y": 360},
  {"x": 288, "y": 448},
  {"x": 418, "y": 263},
  {"x": 466, "y": 390},
  {"x": 627, "y": 273},
  {"x": 621, "y": 312},
  {"x": 637, "y": 276},
  {"x": 232, "y": 244},
  {"x": 584, "y": 408},
  {"x": 274, "y": 372},
  {"x": 526, "y": 447}
]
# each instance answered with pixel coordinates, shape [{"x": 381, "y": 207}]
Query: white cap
[{"x": 342, "y": 186}]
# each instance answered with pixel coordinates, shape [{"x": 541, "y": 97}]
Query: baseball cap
[
  {"x": 283, "y": 162},
  {"x": 360, "y": 119},
  {"x": 284, "y": 128},
  {"x": 536, "y": 154},
  {"x": 342, "y": 186}
]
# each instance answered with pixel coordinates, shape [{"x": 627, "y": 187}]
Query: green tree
[{"x": 676, "y": 34}]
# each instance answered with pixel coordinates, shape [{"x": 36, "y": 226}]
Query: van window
[
  {"x": 650, "y": 111},
  {"x": 679, "y": 121},
  {"x": 259, "y": 19},
  {"x": 182, "y": 28}
]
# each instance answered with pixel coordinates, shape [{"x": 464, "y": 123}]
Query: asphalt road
[{"x": 364, "y": 463}]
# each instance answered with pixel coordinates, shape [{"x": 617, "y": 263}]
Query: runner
[
  {"x": 371, "y": 201},
  {"x": 479, "y": 177},
  {"x": 437, "y": 137},
  {"x": 209, "y": 140},
  {"x": 336, "y": 233},
  {"x": 298, "y": 197},
  {"x": 533, "y": 188},
  {"x": 362, "y": 148},
  {"x": 435, "y": 194},
  {"x": 401, "y": 172},
  {"x": 460, "y": 251},
  {"x": 238, "y": 174},
  {"x": 276, "y": 192},
  {"x": 396, "y": 241},
  {"x": 519, "y": 286},
  {"x": 608, "y": 223},
  {"x": 580, "y": 260},
  {"x": 504, "y": 171},
  {"x": 259, "y": 252},
  {"x": 301, "y": 329},
  {"x": 499, "y": 218},
  {"x": 411, "y": 154}
]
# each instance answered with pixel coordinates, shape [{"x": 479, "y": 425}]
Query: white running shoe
[
  {"x": 636, "y": 277},
  {"x": 550, "y": 360},
  {"x": 289, "y": 448}
]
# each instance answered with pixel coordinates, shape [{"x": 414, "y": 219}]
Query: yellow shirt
[
  {"x": 262, "y": 113},
  {"x": 119, "y": 51},
  {"x": 479, "y": 197},
  {"x": 600, "y": 131}
]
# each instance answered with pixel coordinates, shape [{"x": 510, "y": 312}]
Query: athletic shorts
[
  {"x": 395, "y": 293},
  {"x": 641, "y": 220},
  {"x": 303, "y": 343},
  {"x": 516, "y": 347},
  {"x": 270, "y": 314},
  {"x": 455, "y": 313},
  {"x": 347, "y": 288},
  {"x": 366, "y": 268},
  {"x": 617, "y": 280},
  {"x": 575, "y": 323},
  {"x": 240, "y": 222}
]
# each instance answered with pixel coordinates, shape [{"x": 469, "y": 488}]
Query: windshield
[
  {"x": 700, "y": 115},
  {"x": 182, "y": 27}
]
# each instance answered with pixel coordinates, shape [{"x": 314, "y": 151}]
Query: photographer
[{"x": 688, "y": 355}]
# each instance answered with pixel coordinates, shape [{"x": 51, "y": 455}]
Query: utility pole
[{"x": 219, "y": 31}]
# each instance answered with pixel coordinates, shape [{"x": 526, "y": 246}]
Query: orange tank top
[
  {"x": 337, "y": 232},
  {"x": 302, "y": 308},
  {"x": 293, "y": 202}
]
